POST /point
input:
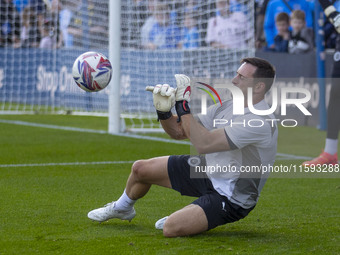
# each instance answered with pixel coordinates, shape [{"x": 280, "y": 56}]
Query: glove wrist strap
[
  {"x": 182, "y": 108},
  {"x": 163, "y": 115}
]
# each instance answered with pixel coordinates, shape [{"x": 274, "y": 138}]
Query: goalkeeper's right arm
[{"x": 331, "y": 13}]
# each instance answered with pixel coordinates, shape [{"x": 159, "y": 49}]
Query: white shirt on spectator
[
  {"x": 146, "y": 29},
  {"x": 229, "y": 31},
  {"x": 65, "y": 16},
  {"x": 47, "y": 43}
]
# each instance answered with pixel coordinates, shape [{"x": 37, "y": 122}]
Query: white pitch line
[
  {"x": 284, "y": 156},
  {"x": 280, "y": 156},
  {"x": 68, "y": 164},
  {"x": 32, "y": 124},
  {"x": 150, "y": 138}
]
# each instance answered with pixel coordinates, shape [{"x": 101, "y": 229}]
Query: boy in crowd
[
  {"x": 282, "y": 38},
  {"x": 301, "y": 39}
]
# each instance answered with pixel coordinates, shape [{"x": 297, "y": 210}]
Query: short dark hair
[
  {"x": 282, "y": 16},
  {"x": 265, "y": 72}
]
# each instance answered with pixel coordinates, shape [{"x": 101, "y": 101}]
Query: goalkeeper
[
  {"x": 329, "y": 156},
  {"x": 222, "y": 197}
]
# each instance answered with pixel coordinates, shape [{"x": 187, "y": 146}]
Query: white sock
[
  {"x": 331, "y": 146},
  {"x": 124, "y": 203}
]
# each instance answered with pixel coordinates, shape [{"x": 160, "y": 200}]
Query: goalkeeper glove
[
  {"x": 333, "y": 16},
  {"x": 163, "y": 100},
  {"x": 183, "y": 92}
]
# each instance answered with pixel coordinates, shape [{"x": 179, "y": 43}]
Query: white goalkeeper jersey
[{"x": 240, "y": 174}]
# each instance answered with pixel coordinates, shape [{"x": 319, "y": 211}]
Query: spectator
[
  {"x": 30, "y": 32},
  {"x": 191, "y": 38},
  {"x": 177, "y": 11},
  {"x": 9, "y": 24},
  {"x": 228, "y": 29},
  {"x": 49, "y": 38},
  {"x": 33, "y": 17},
  {"x": 301, "y": 39},
  {"x": 68, "y": 7},
  {"x": 164, "y": 34},
  {"x": 149, "y": 23},
  {"x": 91, "y": 31},
  {"x": 237, "y": 6},
  {"x": 133, "y": 15},
  {"x": 276, "y": 6},
  {"x": 281, "y": 40},
  {"x": 51, "y": 35},
  {"x": 20, "y": 5},
  {"x": 41, "y": 8},
  {"x": 191, "y": 6}
]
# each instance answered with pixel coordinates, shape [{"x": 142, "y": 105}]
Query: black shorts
[{"x": 218, "y": 209}]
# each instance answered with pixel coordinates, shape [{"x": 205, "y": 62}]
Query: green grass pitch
[{"x": 44, "y": 207}]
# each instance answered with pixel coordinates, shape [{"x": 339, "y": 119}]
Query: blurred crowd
[
  {"x": 280, "y": 25},
  {"x": 188, "y": 24},
  {"x": 53, "y": 24}
]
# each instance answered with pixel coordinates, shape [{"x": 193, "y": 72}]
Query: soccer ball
[{"x": 92, "y": 71}]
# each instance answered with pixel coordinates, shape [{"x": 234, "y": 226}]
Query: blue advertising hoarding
[{"x": 44, "y": 77}]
